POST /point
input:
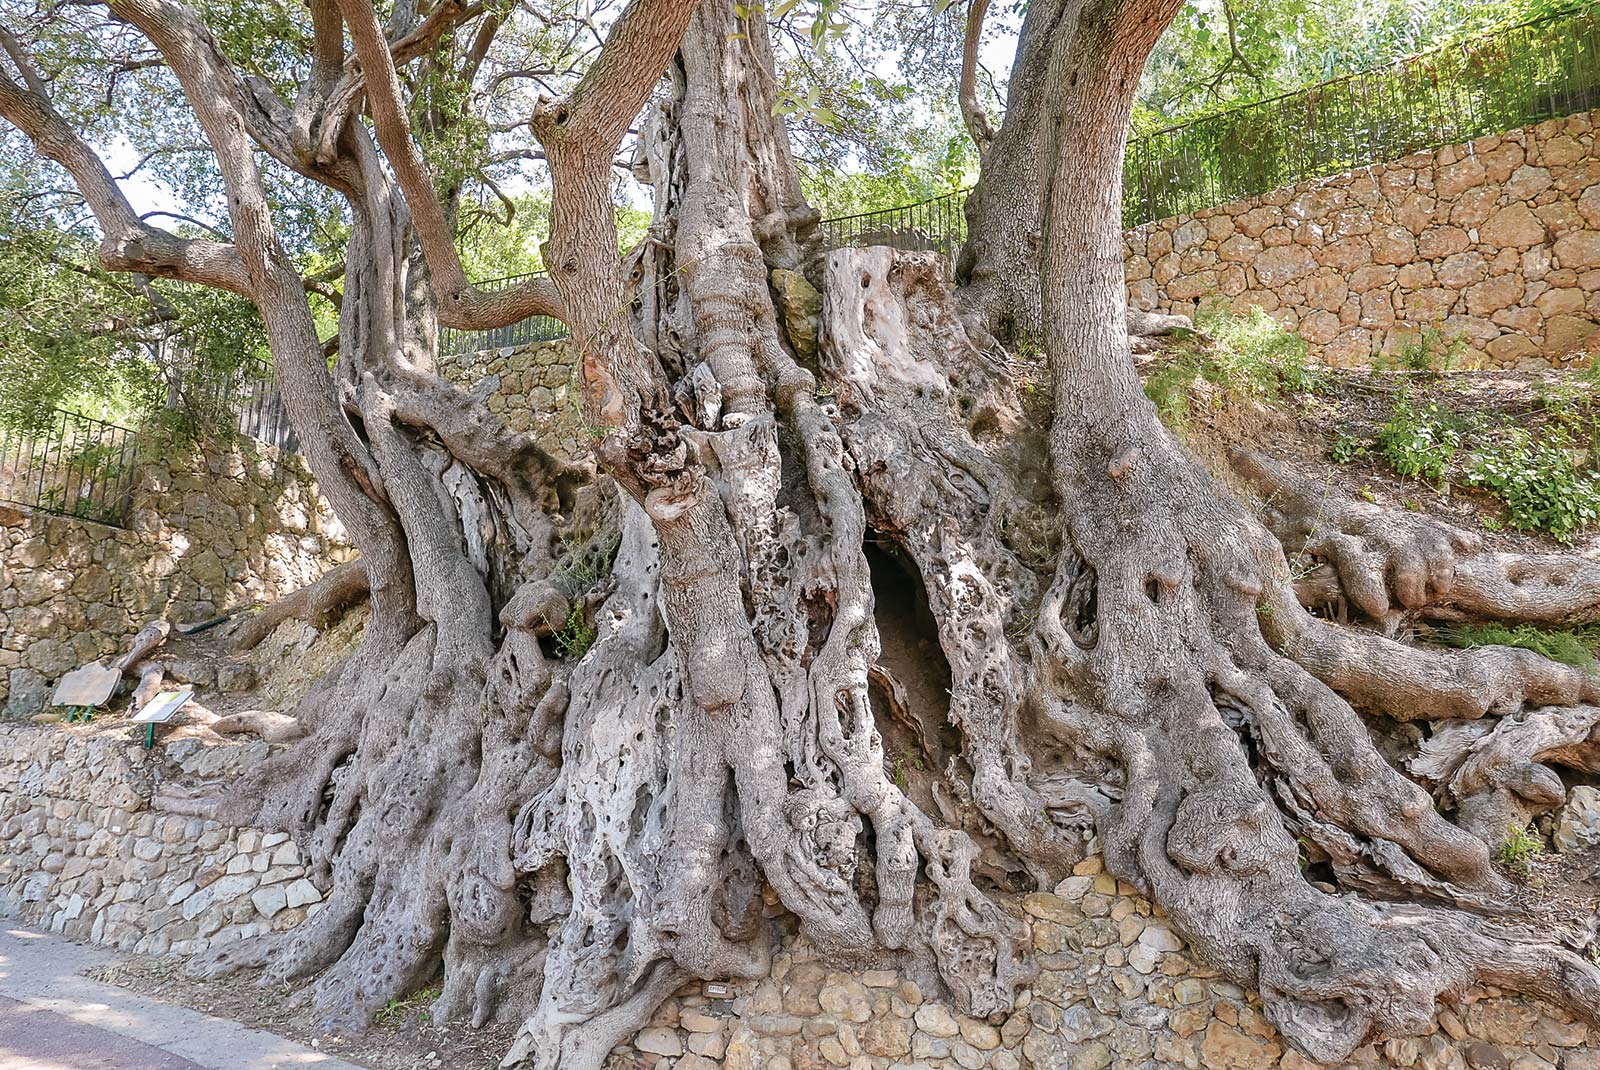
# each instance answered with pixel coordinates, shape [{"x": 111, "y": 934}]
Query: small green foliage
[
  {"x": 1571, "y": 646},
  {"x": 1547, "y": 483},
  {"x": 1430, "y": 351},
  {"x": 1542, "y": 485},
  {"x": 395, "y": 1011},
  {"x": 576, "y": 635},
  {"x": 582, "y": 566},
  {"x": 80, "y": 713},
  {"x": 1347, "y": 447},
  {"x": 1419, "y": 440},
  {"x": 1168, "y": 388},
  {"x": 1248, "y": 356},
  {"x": 1518, "y": 851}
]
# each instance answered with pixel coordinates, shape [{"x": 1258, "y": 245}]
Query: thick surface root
[
  {"x": 612, "y": 731},
  {"x": 1169, "y": 645},
  {"x": 1390, "y": 564},
  {"x": 316, "y": 603}
]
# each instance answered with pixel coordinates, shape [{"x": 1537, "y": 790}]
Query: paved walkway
[{"x": 53, "y": 1018}]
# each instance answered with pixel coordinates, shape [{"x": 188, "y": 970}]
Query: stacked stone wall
[
  {"x": 207, "y": 532},
  {"x": 1496, "y": 241},
  {"x": 533, "y": 388},
  {"x": 1117, "y": 990},
  {"x": 82, "y": 853}
]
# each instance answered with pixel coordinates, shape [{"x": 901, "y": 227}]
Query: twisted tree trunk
[
  {"x": 596, "y": 718},
  {"x": 998, "y": 269},
  {"x": 574, "y": 836}
]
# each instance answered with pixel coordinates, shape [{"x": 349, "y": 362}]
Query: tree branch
[
  {"x": 461, "y": 304},
  {"x": 128, "y": 243},
  {"x": 615, "y": 88},
  {"x": 972, "y": 111}
]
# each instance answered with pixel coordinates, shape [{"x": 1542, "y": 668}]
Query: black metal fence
[
  {"x": 72, "y": 465},
  {"x": 245, "y": 399},
  {"x": 256, "y": 405},
  {"x": 523, "y": 332},
  {"x": 1515, "y": 77},
  {"x": 79, "y": 466},
  {"x": 936, "y": 225}
]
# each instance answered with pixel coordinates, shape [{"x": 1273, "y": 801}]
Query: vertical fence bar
[
  {"x": 1457, "y": 93},
  {"x": 71, "y": 465}
]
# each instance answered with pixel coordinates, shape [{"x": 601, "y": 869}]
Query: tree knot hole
[
  {"x": 1161, "y": 584},
  {"x": 1081, "y": 611},
  {"x": 1122, "y": 463}
]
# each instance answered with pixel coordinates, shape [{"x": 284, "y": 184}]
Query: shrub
[
  {"x": 1419, "y": 441},
  {"x": 1249, "y": 355},
  {"x": 1254, "y": 354},
  {"x": 1518, "y": 850},
  {"x": 1431, "y": 350},
  {"x": 1543, "y": 487},
  {"x": 1570, "y": 646}
]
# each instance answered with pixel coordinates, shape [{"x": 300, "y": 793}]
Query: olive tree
[{"x": 569, "y": 832}]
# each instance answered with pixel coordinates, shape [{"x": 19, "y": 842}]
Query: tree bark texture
[{"x": 601, "y": 716}]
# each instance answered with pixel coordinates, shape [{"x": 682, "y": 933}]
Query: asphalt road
[{"x": 54, "y": 1018}]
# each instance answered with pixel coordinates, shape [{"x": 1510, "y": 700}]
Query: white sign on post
[{"x": 161, "y": 709}]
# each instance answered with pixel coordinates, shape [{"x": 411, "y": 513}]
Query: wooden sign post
[{"x": 92, "y": 685}]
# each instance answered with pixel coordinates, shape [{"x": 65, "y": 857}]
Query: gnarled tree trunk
[{"x": 596, "y": 717}]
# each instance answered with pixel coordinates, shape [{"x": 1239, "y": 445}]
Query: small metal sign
[
  {"x": 91, "y": 685},
  {"x": 161, "y": 709}
]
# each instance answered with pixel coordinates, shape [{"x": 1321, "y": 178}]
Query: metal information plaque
[
  {"x": 92, "y": 685},
  {"x": 161, "y": 709}
]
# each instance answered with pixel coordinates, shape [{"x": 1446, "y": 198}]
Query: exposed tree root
[
  {"x": 270, "y": 725},
  {"x": 317, "y": 603},
  {"x": 1498, "y": 773},
  {"x": 1389, "y": 564},
  {"x": 1151, "y": 650},
  {"x": 564, "y": 780},
  {"x": 1424, "y": 683}
]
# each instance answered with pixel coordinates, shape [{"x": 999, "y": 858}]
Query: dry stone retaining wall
[
  {"x": 532, "y": 388},
  {"x": 1117, "y": 990},
  {"x": 1496, "y": 241},
  {"x": 206, "y": 534},
  {"x": 82, "y": 853}
]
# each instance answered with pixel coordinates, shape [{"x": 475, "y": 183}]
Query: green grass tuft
[
  {"x": 1247, "y": 355},
  {"x": 1518, "y": 851},
  {"x": 1570, "y": 646}
]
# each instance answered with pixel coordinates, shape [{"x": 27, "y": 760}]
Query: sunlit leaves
[{"x": 1220, "y": 53}]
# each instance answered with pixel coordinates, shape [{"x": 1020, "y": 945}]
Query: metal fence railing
[
  {"x": 246, "y": 400},
  {"x": 1515, "y": 77},
  {"x": 523, "y": 332},
  {"x": 935, "y": 225},
  {"x": 71, "y": 465},
  {"x": 83, "y": 467},
  {"x": 256, "y": 404}
]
